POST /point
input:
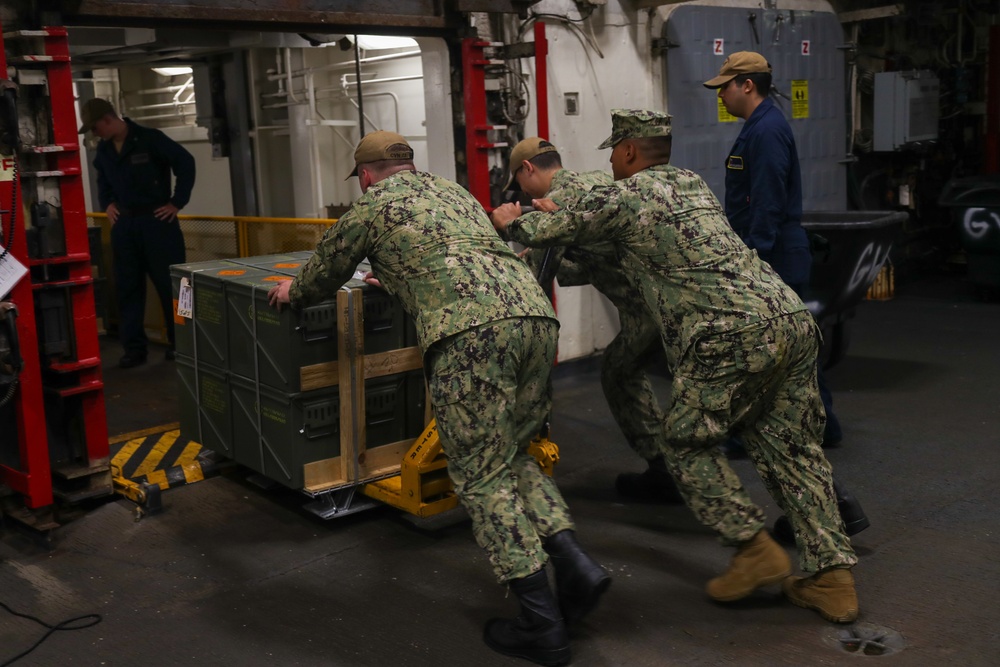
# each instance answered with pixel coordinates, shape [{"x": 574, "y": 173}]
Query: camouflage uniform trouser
[
  {"x": 627, "y": 387},
  {"x": 761, "y": 381},
  {"x": 490, "y": 390}
]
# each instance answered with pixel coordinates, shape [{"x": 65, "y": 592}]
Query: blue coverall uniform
[
  {"x": 764, "y": 194},
  {"x": 764, "y": 206},
  {"x": 137, "y": 179}
]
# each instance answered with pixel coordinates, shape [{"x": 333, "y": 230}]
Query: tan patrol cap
[
  {"x": 526, "y": 149},
  {"x": 741, "y": 62},
  {"x": 381, "y": 145},
  {"x": 94, "y": 110}
]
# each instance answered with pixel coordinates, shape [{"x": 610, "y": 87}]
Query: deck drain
[{"x": 867, "y": 640}]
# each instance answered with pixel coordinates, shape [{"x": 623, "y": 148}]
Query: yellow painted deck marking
[
  {"x": 193, "y": 473},
  {"x": 189, "y": 454},
  {"x": 143, "y": 433},
  {"x": 158, "y": 477},
  {"x": 156, "y": 454},
  {"x": 126, "y": 452}
]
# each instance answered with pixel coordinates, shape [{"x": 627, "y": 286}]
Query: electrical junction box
[{"x": 906, "y": 109}]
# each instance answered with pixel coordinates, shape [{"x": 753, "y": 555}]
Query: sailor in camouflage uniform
[
  {"x": 742, "y": 350},
  {"x": 536, "y": 169},
  {"x": 488, "y": 336}
]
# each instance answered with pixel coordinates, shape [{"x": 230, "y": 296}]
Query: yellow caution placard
[
  {"x": 725, "y": 116},
  {"x": 800, "y": 98}
]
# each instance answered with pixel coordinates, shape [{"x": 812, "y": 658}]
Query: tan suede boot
[
  {"x": 759, "y": 562},
  {"x": 830, "y": 592}
]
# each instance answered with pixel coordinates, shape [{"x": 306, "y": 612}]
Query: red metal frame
[
  {"x": 477, "y": 127},
  {"x": 82, "y": 374},
  {"x": 67, "y": 161},
  {"x": 33, "y": 478},
  {"x": 477, "y": 144},
  {"x": 541, "y": 80}
]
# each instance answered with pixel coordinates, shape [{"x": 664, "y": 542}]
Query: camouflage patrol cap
[
  {"x": 527, "y": 149},
  {"x": 636, "y": 124},
  {"x": 741, "y": 62},
  {"x": 381, "y": 145}
]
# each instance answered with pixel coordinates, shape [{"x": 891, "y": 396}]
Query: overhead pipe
[
  {"x": 162, "y": 105},
  {"x": 361, "y": 101},
  {"x": 390, "y": 79},
  {"x": 288, "y": 73},
  {"x": 255, "y": 128},
  {"x": 145, "y": 91},
  {"x": 345, "y": 83},
  {"x": 166, "y": 115},
  {"x": 345, "y": 65}
]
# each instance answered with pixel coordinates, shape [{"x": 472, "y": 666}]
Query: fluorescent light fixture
[
  {"x": 378, "y": 42},
  {"x": 172, "y": 71}
]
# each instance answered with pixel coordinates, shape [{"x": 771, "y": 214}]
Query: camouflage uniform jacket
[
  {"x": 430, "y": 244},
  {"x": 677, "y": 250},
  {"x": 595, "y": 264}
]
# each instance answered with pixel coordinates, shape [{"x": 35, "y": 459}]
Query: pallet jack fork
[
  {"x": 146, "y": 496},
  {"x": 423, "y": 487}
]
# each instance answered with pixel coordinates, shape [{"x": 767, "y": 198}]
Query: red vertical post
[
  {"x": 474, "y": 98},
  {"x": 31, "y": 477},
  {"x": 992, "y": 161},
  {"x": 88, "y": 355},
  {"x": 542, "y": 108},
  {"x": 541, "y": 80}
]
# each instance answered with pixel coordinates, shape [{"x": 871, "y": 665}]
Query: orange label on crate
[
  {"x": 231, "y": 272},
  {"x": 275, "y": 279},
  {"x": 177, "y": 318},
  {"x": 288, "y": 266}
]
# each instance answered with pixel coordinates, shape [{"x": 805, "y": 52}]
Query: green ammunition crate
[
  {"x": 301, "y": 428},
  {"x": 287, "y": 265},
  {"x": 205, "y": 335},
  {"x": 205, "y": 413},
  {"x": 273, "y": 347}
]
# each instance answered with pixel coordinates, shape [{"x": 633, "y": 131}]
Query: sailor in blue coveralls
[
  {"x": 764, "y": 206},
  {"x": 134, "y": 164},
  {"x": 764, "y": 185}
]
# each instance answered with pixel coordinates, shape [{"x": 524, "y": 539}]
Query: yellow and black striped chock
[{"x": 147, "y": 462}]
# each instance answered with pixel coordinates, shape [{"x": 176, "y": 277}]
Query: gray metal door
[{"x": 804, "y": 47}]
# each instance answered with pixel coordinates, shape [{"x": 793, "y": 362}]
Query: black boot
[
  {"x": 855, "y": 519},
  {"x": 655, "y": 485},
  {"x": 580, "y": 580},
  {"x": 538, "y": 633}
]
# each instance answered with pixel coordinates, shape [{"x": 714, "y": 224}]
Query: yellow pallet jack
[{"x": 423, "y": 488}]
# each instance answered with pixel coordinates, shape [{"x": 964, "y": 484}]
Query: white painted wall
[
  {"x": 622, "y": 78},
  {"x": 304, "y": 167}
]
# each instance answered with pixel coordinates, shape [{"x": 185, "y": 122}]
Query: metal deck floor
[{"x": 233, "y": 575}]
